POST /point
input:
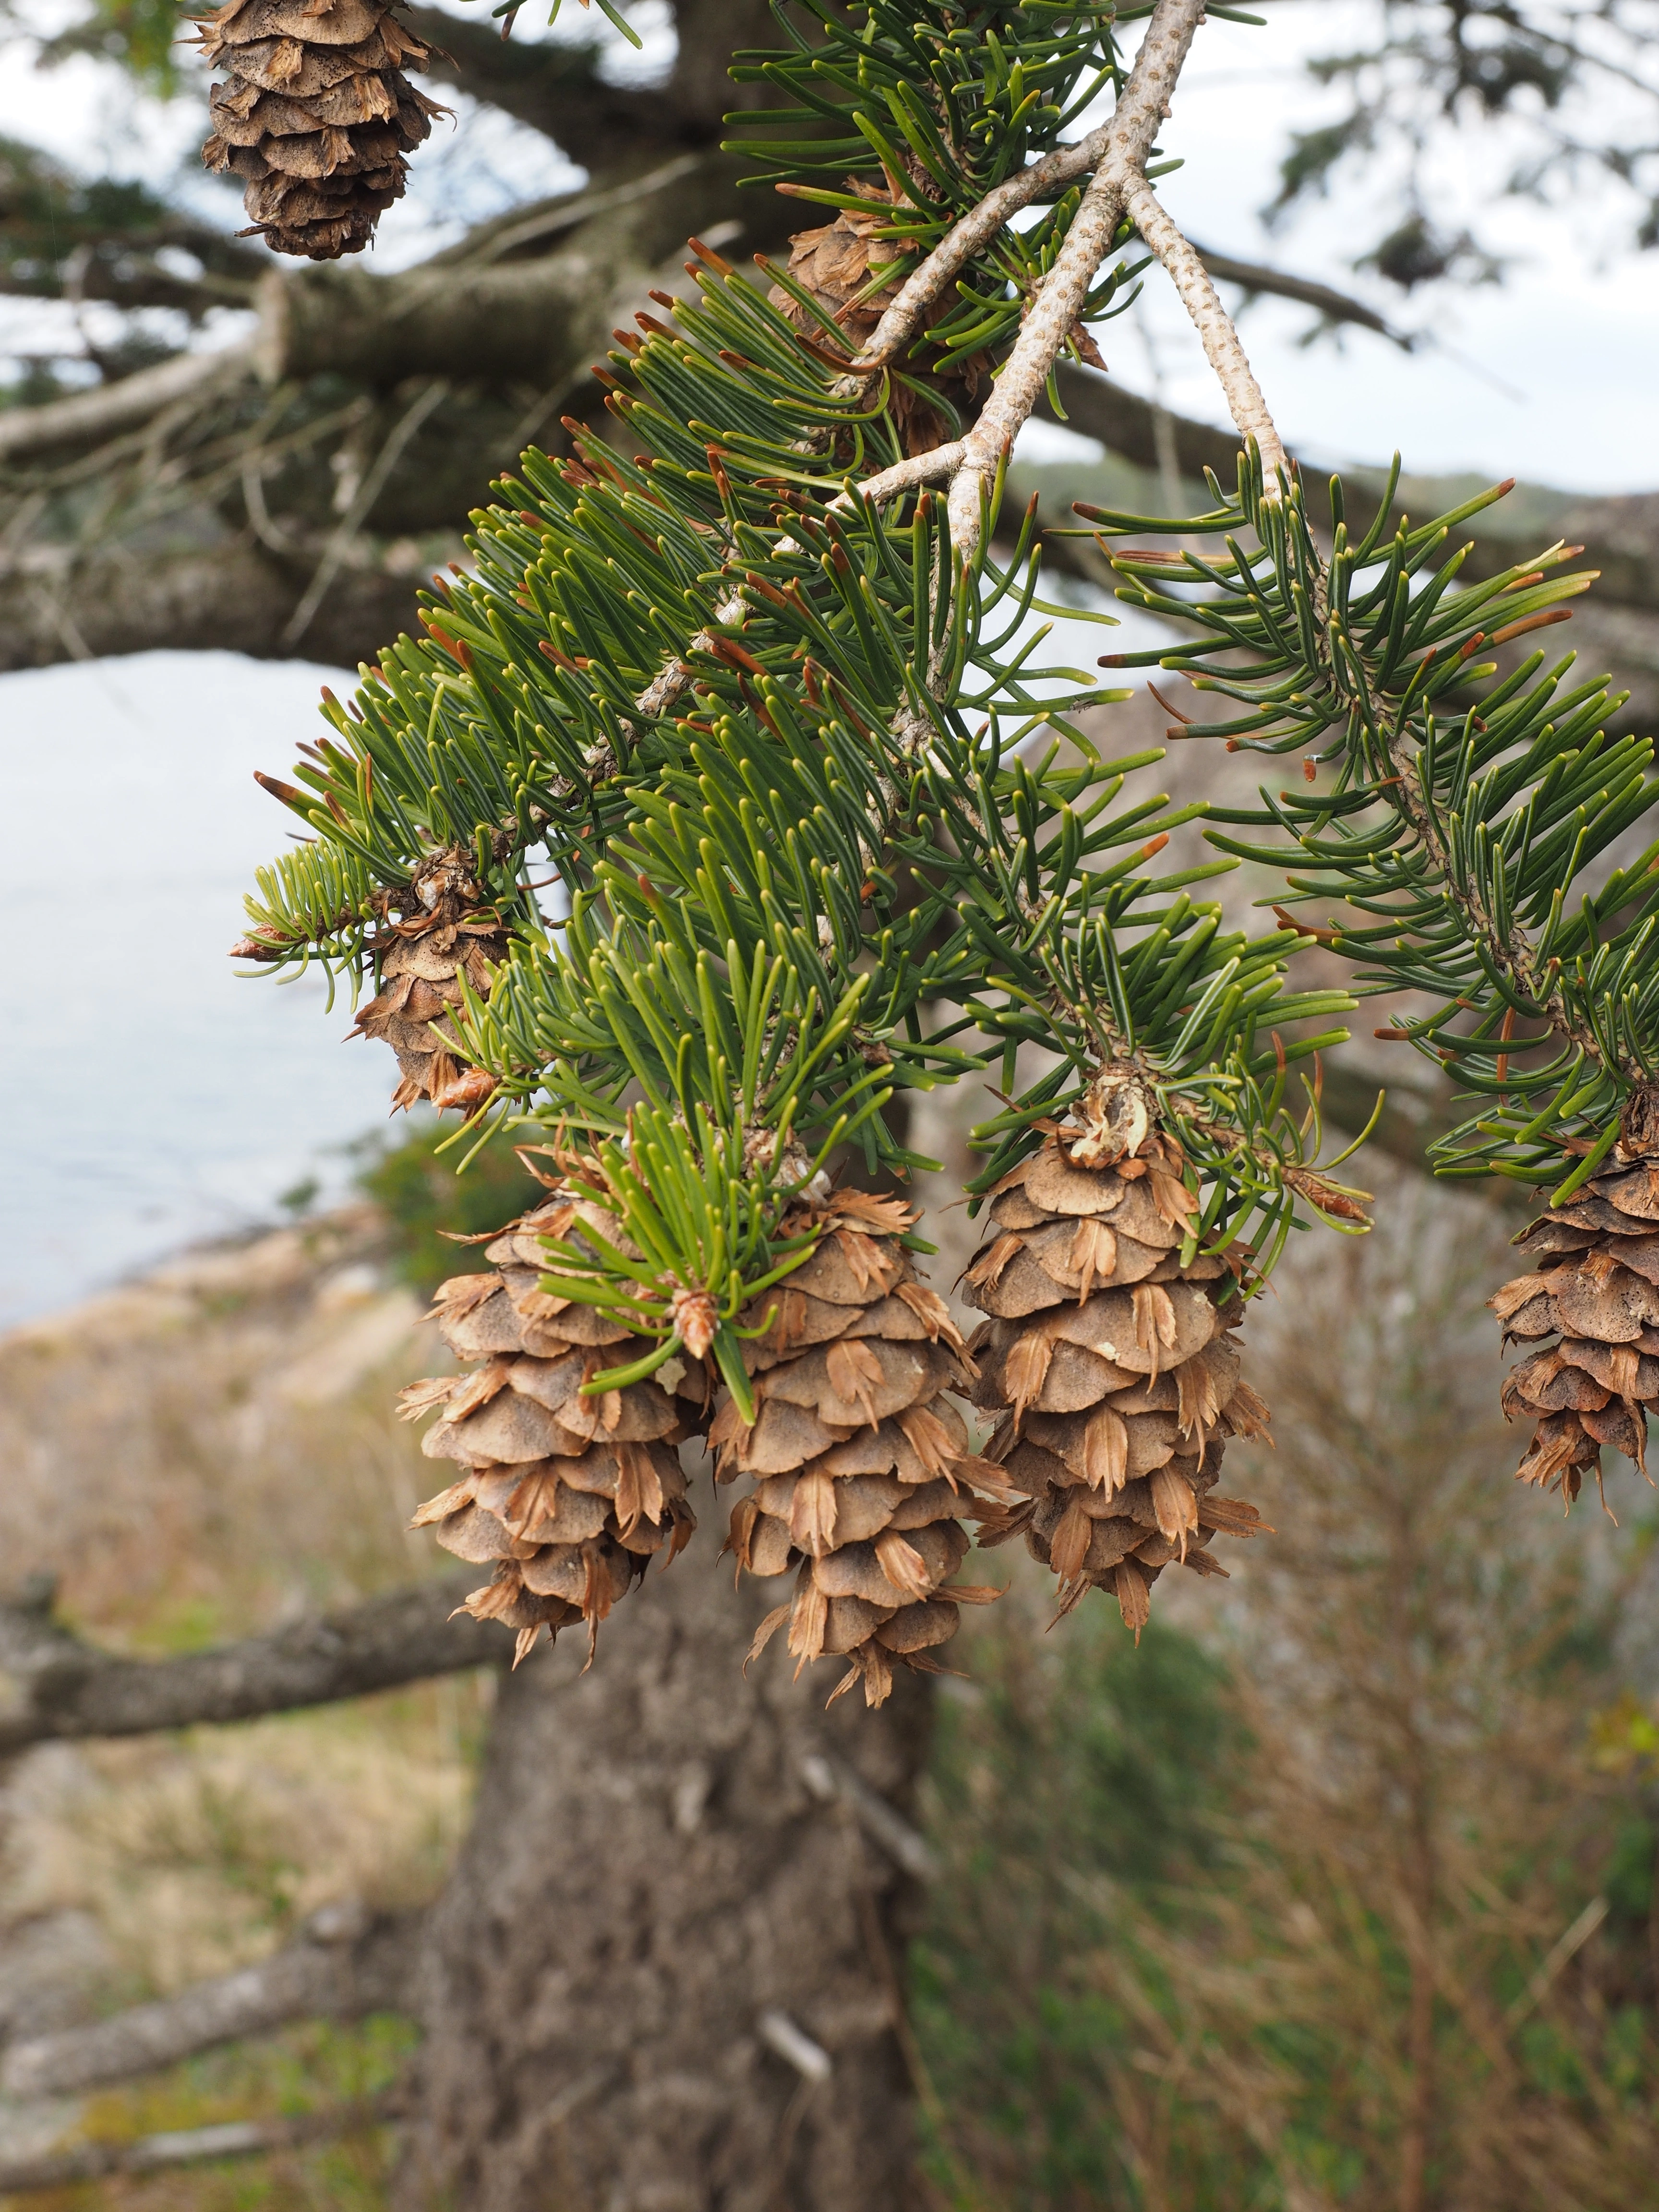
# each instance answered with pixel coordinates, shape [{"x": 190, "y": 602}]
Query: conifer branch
[
  {"x": 1117, "y": 153},
  {"x": 1222, "y": 346}
]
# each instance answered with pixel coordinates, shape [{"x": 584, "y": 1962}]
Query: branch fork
[{"x": 1117, "y": 153}]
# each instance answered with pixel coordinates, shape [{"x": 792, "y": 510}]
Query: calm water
[{"x": 149, "y": 1096}]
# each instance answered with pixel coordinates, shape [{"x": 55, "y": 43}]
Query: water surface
[{"x": 149, "y": 1096}]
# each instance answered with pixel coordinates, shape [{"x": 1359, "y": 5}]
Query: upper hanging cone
[
  {"x": 1596, "y": 1293},
  {"x": 447, "y": 932},
  {"x": 1115, "y": 1363},
  {"x": 316, "y": 115},
  {"x": 857, "y": 1457},
  {"x": 567, "y": 1496},
  {"x": 835, "y": 265}
]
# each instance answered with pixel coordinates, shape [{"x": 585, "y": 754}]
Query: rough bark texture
[
  {"x": 540, "y": 318},
  {"x": 233, "y": 596},
  {"x": 64, "y": 1688},
  {"x": 652, "y": 1881}
]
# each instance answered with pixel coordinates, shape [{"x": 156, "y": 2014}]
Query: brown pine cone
[
  {"x": 1115, "y": 1363},
  {"x": 835, "y": 263},
  {"x": 447, "y": 932},
  {"x": 567, "y": 1496},
  {"x": 857, "y": 1454},
  {"x": 316, "y": 115},
  {"x": 1595, "y": 1294}
]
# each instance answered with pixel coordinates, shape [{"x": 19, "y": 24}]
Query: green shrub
[{"x": 427, "y": 1204}]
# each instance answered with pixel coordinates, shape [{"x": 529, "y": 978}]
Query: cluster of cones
[
  {"x": 1596, "y": 1293},
  {"x": 448, "y": 931},
  {"x": 1111, "y": 1362},
  {"x": 316, "y": 115},
  {"x": 861, "y": 1463},
  {"x": 567, "y": 1497}
]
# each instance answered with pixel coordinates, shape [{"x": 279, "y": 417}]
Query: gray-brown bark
[
  {"x": 482, "y": 316},
  {"x": 557, "y": 87},
  {"x": 665, "y": 1971},
  {"x": 233, "y": 595},
  {"x": 61, "y": 1687},
  {"x": 348, "y": 1962},
  {"x": 553, "y": 86},
  {"x": 652, "y": 1883}
]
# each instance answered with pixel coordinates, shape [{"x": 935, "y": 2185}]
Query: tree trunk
[{"x": 653, "y": 1896}]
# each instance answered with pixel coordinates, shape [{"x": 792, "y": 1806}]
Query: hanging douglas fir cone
[
  {"x": 835, "y": 263},
  {"x": 1115, "y": 1363},
  {"x": 448, "y": 931},
  {"x": 317, "y": 114},
  {"x": 567, "y": 1497},
  {"x": 857, "y": 1454},
  {"x": 1596, "y": 1293}
]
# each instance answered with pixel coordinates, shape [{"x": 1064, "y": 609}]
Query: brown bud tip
[
  {"x": 466, "y": 1093},
  {"x": 1310, "y": 769},
  {"x": 695, "y": 1319},
  {"x": 707, "y": 253},
  {"x": 290, "y": 795},
  {"x": 256, "y": 948}
]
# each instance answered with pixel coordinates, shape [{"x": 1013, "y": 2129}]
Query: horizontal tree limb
[
  {"x": 559, "y": 88},
  {"x": 482, "y": 316},
  {"x": 155, "y": 2154},
  {"x": 1620, "y": 534},
  {"x": 91, "y": 416},
  {"x": 348, "y": 1963},
  {"x": 1333, "y": 305},
  {"x": 233, "y": 596},
  {"x": 64, "y": 1688}
]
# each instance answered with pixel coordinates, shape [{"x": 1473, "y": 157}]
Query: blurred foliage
[
  {"x": 1565, "y": 88},
  {"x": 1351, "y": 1905},
  {"x": 1078, "y": 1784},
  {"x": 143, "y": 36},
  {"x": 64, "y": 236},
  {"x": 311, "y": 2068},
  {"x": 429, "y": 1199}
]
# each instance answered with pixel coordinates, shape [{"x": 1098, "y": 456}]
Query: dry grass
[{"x": 195, "y": 1456}]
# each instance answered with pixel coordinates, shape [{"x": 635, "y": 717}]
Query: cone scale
[
  {"x": 835, "y": 265},
  {"x": 446, "y": 933},
  {"x": 316, "y": 115},
  {"x": 860, "y": 1463},
  {"x": 1111, "y": 1362},
  {"x": 1588, "y": 1313},
  {"x": 567, "y": 1497}
]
